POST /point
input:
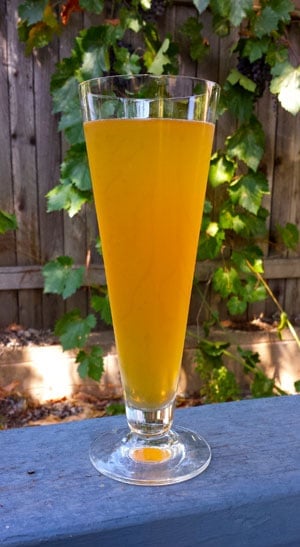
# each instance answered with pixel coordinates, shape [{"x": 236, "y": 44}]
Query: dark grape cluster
[
  {"x": 258, "y": 71},
  {"x": 156, "y": 10}
]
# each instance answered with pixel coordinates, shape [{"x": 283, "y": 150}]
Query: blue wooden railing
[{"x": 249, "y": 495}]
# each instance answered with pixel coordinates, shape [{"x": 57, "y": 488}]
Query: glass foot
[{"x": 173, "y": 457}]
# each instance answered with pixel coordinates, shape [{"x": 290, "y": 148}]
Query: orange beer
[{"x": 149, "y": 181}]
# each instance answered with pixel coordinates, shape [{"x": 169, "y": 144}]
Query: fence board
[
  {"x": 9, "y": 299},
  {"x": 31, "y": 151}
]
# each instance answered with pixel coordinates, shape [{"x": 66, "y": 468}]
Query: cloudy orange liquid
[{"x": 149, "y": 179}]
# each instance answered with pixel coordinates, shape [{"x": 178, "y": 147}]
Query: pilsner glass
[{"x": 149, "y": 140}]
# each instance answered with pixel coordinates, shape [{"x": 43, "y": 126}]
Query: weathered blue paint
[{"x": 249, "y": 496}]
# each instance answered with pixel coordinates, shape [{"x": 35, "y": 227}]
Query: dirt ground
[{"x": 20, "y": 410}]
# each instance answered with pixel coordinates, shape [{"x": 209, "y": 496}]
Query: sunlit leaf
[
  {"x": 287, "y": 86},
  {"x": 226, "y": 281},
  {"x": 221, "y": 170}
]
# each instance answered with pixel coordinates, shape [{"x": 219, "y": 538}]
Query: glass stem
[{"x": 150, "y": 422}]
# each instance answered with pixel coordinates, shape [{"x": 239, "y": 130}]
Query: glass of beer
[{"x": 149, "y": 141}]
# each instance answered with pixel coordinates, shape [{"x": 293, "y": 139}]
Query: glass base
[{"x": 173, "y": 457}]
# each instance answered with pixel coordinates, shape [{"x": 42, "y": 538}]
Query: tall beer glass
[{"x": 149, "y": 142}]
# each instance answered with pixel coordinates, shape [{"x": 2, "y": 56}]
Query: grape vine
[{"x": 264, "y": 60}]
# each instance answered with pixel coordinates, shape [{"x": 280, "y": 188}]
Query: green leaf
[
  {"x": 239, "y": 10},
  {"x": 236, "y": 306},
  {"x": 247, "y": 143},
  {"x": 192, "y": 29},
  {"x": 266, "y": 22},
  {"x": 32, "y": 10},
  {"x": 221, "y": 170},
  {"x": 65, "y": 96},
  {"x": 254, "y": 292},
  {"x": 101, "y": 305},
  {"x": 75, "y": 168},
  {"x": 94, "y": 6},
  {"x": 126, "y": 62},
  {"x": 68, "y": 197},
  {"x": 210, "y": 246},
  {"x": 237, "y": 77},
  {"x": 115, "y": 409},
  {"x": 254, "y": 49},
  {"x": 229, "y": 219},
  {"x": 251, "y": 359},
  {"x": 224, "y": 385},
  {"x": 95, "y": 62},
  {"x": 226, "y": 281},
  {"x": 287, "y": 86},
  {"x": 91, "y": 363},
  {"x": 73, "y": 331},
  {"x": 262, "y": 386},
  {"x": 270, "y": 16},
  {"x": 249, "y": 190},
  {"x": 160, "y": 59},
  {"x": 289, "y": 234},
  {"x": 7, "y": 222},
  {"x": 213, "y": 348},
  {"x": 249, "y": 253},
  {"x": 60, "y": 277},
  {"x": 238, "y": 101}
]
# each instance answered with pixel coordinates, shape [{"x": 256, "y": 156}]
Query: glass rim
[{"x": 197, "y": 79}]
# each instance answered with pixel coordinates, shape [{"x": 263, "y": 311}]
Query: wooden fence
[{"x": 31, "y": 150}]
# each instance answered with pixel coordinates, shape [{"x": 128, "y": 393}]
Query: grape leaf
[
  {"x": 101, "y": 305},
  {"x": 213, "y": 348},
  {"x": 210, "y": 247},
  {"x": 75, "y": 169},
  {"x": 61, "y": 277},
  {"x": 226, "y": 281},
  {"x": 287, "y": 86},
  {"x": 192, "y": 29},
  {"x": 254, "y": 49},
  {"x": 252, "y": 254},
  {"x": 32, "y": 10},
  {"x": 237, "y": 100},
  {"x": 95, "y": 62},
  {"x": 262, "y": 386},
  {"x": 221, "y": 170},
  {"x": 160, "y": 59},
  {"x": 239, "y": 10},
  {"x": 237, "y": 77},
  {"x": 266, "y": 22},
  {"x": 68, "y": 197},
  {"x": 249, "y": 190},
  {"x": 236, "y": 306},
  {"x": 91, "y": 363},
  {"x": 7, "y": 222},
  {"x": 283, "y": 9},
  {"x": 230, "y": 220},
  {"x": 125, "y": 62},
  {"x": 73, "y": 330},
  {"x": 247, "y": 143}
]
